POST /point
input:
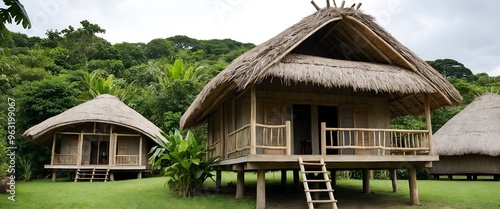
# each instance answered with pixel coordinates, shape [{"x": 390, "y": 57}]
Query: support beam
[
  {"x": 333, "y": 176},
  {"x": 261, "y": 189},
  {"x": 427, "y": 107},
  {"x": 412, "y": 180},
  {"x": 366, "y": 181},
  {"x": 139, "y": 175},
  {"x": 323, "y": 138},
  {"x": 283, "y": 177},
  {"x": 253, "y": 121},
  {"x": 240, "y": 184},
  {"x": 394, "y": 180},
  {"x": 296, "y": 183},
  {"x": 54, "y": 175},
  {"x": 218, "y": 178},
  {"x": 111, "y": 176},
  {"x": 496, "y": 177},
  {"x": 53, "y": 150}
]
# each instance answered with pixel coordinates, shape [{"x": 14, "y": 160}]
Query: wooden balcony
[
  {"x": 276, "y": 140},
  {"x": 127, "y": 160}
]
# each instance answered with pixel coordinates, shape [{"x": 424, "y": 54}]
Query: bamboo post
[
  {"x": 80, "y": 149},
  {"x": 394, "y": 179},
  {"x": 334, "y": 4},
  {"x": 366, "y": 181},
  {"x": 261, "y": 189},
  {"x": 253, "y": 121},
  {"x": 288, "y": 130},
  {"x": 328, "y": 3},
  {"x": 428, "y": 119},
  {"x": 240, "y": 184},
  {"x": 315, "y": 5},
  {"x": 218, "y": 178},
  {"x": 53, "y": 150},
  {"x": 342, "y": 5},
  {"x": 296, "y": 182},
  {"x": 140, "y": 151},
  {"x": 283, "y": 177},
  {"x": 323, "y": 138},
  {"x": 412, "y": 180},
  {"x": 359, "y": 5}
]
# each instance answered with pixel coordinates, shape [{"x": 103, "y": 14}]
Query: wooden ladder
[
  {"x": 315, "y": 169},
  {"x": 92, "y": 174}
]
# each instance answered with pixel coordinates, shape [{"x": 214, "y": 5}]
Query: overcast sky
[{"x": 465, "y": 30}]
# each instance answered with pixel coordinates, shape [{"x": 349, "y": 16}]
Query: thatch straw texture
[
  {"x": 104, "y": 109},
  {"x": 474, "y": 130},
  {"x": 339, "y": 33},
  {"x": 333, "y": 73}
]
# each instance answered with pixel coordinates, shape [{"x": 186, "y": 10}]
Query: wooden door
[{"x": 362, "y": 138}]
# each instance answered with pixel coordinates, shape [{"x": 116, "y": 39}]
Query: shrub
[{"x": 183, "y": 159}]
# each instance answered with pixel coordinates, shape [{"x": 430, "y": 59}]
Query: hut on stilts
[
  {"x": 322, "y": 92},
  {"x": 96, "y": 140},
  {"x": 469, "y": 143}
]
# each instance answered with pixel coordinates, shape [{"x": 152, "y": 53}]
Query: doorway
[
  {"x": 99, "y": 152},
  {"x": 328, "y": 115},
  {"x": 302, "y": 129}
]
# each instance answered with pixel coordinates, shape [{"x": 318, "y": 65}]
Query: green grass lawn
[{"x": 151, "y": 193}]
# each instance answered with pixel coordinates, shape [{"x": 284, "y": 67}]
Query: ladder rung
[
  {"x": 319, "y": 190},
  {"x": 314, "y": 171},
  {"x": 321, "y": 201},
  {"x": 318, "y": 164},
  {"x": 316, "y": 180}
]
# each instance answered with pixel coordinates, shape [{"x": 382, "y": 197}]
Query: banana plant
[{"x": 183, "y": 159}]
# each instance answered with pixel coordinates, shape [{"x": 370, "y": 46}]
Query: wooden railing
[
  {"x": 375, "y": 141},
  {"x": 216, "y": 148},
  {"x": 238, "y": 142},
  {"x": 276, "y": 139},
  {"x": 65, "y": 159},
  {"x": 127, "y": 160}
]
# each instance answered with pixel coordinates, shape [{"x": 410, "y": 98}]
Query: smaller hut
[
  {"x": 469, "y": 143},
  {"x": 96, "y": 140}
]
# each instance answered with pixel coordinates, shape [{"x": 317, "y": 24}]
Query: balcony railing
[
  {"x": 64, "y": 159},
  {"x": 127, "y": 160},
  {"x": 375, "y": 141}
]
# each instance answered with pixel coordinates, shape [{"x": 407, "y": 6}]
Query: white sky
[{"x": 464, "y": 30}]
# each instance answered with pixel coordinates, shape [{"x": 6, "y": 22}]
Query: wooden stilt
[
  {"x": 111, "y": 176},
  {"x": 218, "y": 178},
  {"x": 366, "y": 181},
  {"x": 496, "y": 177},
  {"x": 261, "y": 189},
  {"x": 394, "y": 179},
  {"x": 469, "y": 177},
  {"x": 333, "y": 177},
  {"x": 54, "y": 175},
  {"x": 139, "y": 175},
  {"x": 240, "y": 184},
  {"x": 412, "y": 180},
  {"x": 450, "y": 177},
  {"x": 283, "y": 177},
  {"x": 296, "y": 182}
]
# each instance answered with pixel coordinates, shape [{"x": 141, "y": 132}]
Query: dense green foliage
[
  {"x": 183, "y": 160},
  {"x": 159, "y": 79}
]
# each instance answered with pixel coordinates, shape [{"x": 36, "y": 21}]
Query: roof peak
[{"x": 353, "y": 6}]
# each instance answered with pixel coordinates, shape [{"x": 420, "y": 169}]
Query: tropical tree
[
  {"x": 450, "y": 68},
  {"x": 178, "y": 71},
  {"x": 95, "y": 85},
  {"x": 13, "y": 13}
]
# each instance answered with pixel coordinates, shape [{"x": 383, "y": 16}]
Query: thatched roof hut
[
  {"x": 474, "y": 130},
  {"x": 104, "y": 109},
  {"x": 331, "y": 48}
]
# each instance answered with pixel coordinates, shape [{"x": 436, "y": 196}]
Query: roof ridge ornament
[{"x": 335, "y": 5}]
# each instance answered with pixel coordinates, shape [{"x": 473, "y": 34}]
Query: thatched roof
[
  {"x": 104, "y": 109},
  {"x": 474, "y": 130},
  {"x": 342, "y": 34}
]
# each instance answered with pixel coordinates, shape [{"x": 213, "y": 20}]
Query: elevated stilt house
[
  {"x": 469, "y": 143},
  {"x": 97, "y": 139},
  {"x": 325, "y": 88}
]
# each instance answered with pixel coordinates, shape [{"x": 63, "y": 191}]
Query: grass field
[{"x": 151, "y": 193}]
